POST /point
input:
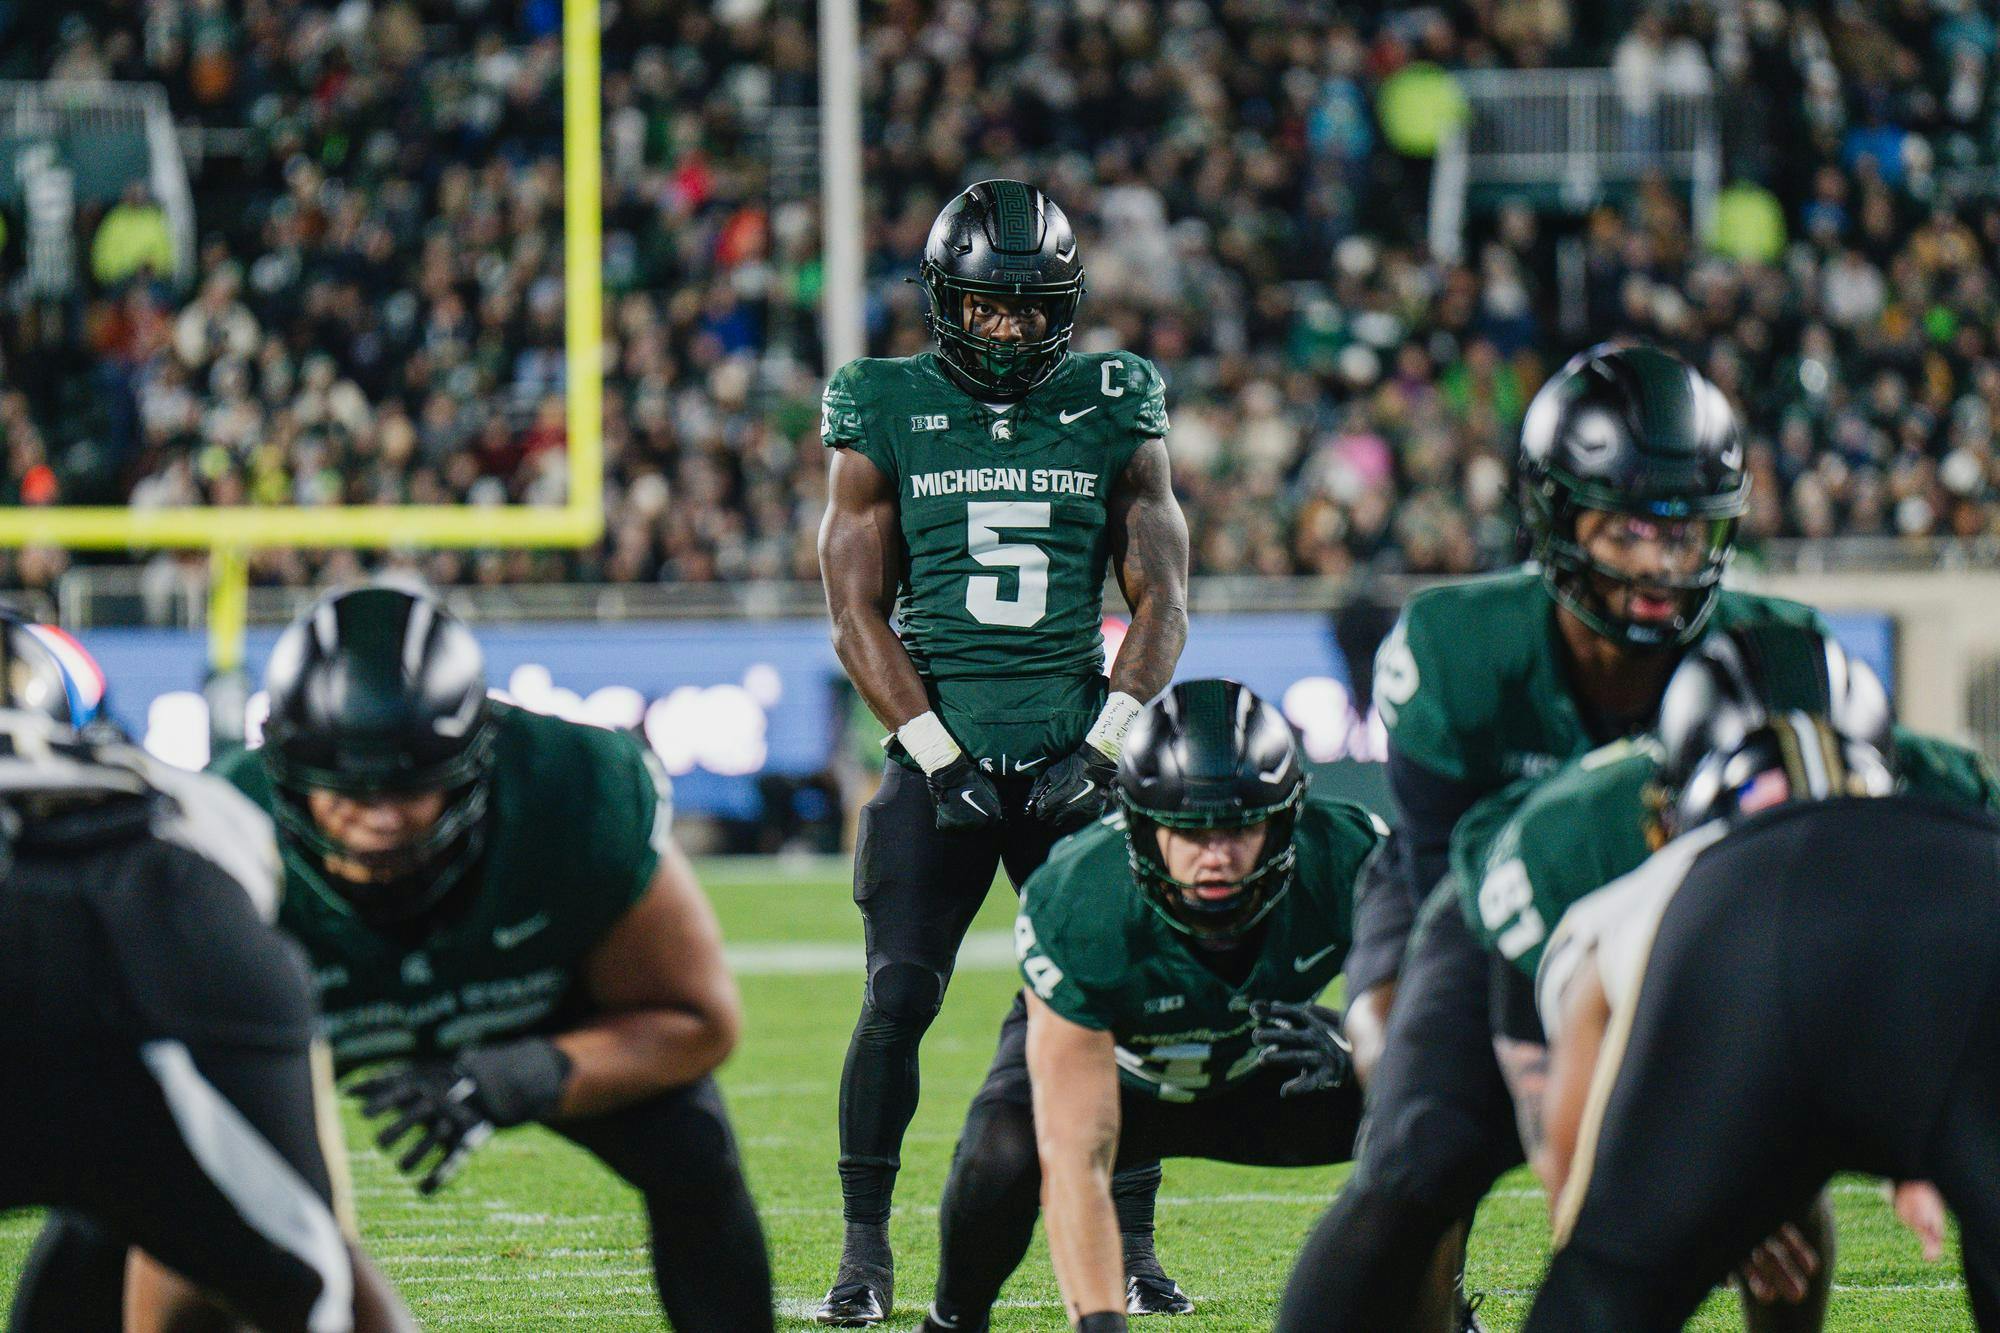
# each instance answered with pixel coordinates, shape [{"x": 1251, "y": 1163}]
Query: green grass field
[{"x": 534, "y": 1235}]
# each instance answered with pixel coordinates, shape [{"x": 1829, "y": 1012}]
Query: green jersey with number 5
[
  {"x": 1098, "y": 953},
  {"x": 1005, "y": 544}
]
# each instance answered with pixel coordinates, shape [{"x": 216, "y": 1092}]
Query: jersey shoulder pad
[
  {"x": 217, "y": 821},
  {"x": 1526, "y": 853},
  {"x": 1736, "y": 607},
  {"x": 244, "y": 770},
  {"x": 600, "y": 791},
  {"x": 1129, "y": 385},
  {"x": 850, "y": 404},
  {"x": 1935, "y": 767},
  {"x": 1438, "y": 674},
  {"x": 1335, "y": 839},
  {"x": 1077, "y": 912}
]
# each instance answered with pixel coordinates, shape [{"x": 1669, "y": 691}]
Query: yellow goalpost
[{"x": 229, "y": 534}]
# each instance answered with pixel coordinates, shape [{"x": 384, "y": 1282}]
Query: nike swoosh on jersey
[
  {"x": 1305, "y": 964},
  {"x": 507, "y": 937},
  {"x": 1027, "y": 764},
  {"x": 1066, "y": 417}
]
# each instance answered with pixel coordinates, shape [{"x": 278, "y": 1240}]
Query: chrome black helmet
[
  {"x": 1210, "y": 754},
  {"x": 1634, "y": 431},
  {"x": 1001, "y": 238},
  {"x": 374, "y": 691},
  {"x": 1768, "y": 714}
]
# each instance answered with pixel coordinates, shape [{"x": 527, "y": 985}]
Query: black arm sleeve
[
  {"x": 1428, "y": 808},
  {"x": 1511, "y": 1004}
]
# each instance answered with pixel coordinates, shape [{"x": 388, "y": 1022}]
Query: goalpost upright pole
[{"x": 842, "y": 308}]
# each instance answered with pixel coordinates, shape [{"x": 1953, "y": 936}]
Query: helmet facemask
[
  {"x": 1178, "y": 902},
  {"x": 996, "y": 369},
  {"x": 1572, "y": 573}
]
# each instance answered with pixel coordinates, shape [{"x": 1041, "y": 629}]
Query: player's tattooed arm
[
  {"x": 860, "y": 561},
  {"x": 1149, "y": 543},
  {"x": 1525, "y": 1065},
  {"x": 1075, "y": 1075},
  {"x": 669, "y": 1009}
]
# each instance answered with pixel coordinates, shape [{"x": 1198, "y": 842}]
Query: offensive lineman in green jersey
[
  {"x": 501, "y": 925},
  {"x": 1632, "y": 482},
  {"x": 1172, "y": 953},
  {"x": 978, "y": 494}
]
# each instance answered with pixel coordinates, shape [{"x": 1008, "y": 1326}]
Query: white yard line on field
[{"x": 983, "y": 951}]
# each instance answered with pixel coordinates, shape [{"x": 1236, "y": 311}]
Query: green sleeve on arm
[
  {"x": 1934, "y": 767},
  {"x": 1146, "y": 393},
  {"x": 843, "y": 417},
  {"x": 632, "y": 825},
  {"x": 1048, "y": 979},
  {"x": 1426, "y": 725}
]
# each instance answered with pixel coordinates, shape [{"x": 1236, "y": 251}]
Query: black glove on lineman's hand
[
  {"x": 1074, "y": 790},
  {"x": 1304, "y": 1037},
  {"x": 965, "y": 797},
  {"x": 452, "y": 1107}
]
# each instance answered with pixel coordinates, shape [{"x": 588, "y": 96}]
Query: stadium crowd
[{"x": 376, "y": 311}]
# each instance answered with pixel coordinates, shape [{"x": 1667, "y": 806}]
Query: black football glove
[
  {"x": 1304, "y": 1037},
  {"x": 452, "y": 1107},
  {"x": 1074, "y": 790},
  {"x": 965, "y": 797}
]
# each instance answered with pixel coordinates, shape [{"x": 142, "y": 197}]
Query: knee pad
[{"x": 905, "y": 996}]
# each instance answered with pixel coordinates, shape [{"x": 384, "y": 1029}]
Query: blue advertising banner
[{"x": 724, "y": 702}]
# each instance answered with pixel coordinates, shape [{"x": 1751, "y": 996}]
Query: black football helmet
[
  {"x": 1631, "y": 430},
  {"x": 1001, "y": 238},
  {"x": 1210, "y": 754},
  {"x": 1765, "y": 715},
  {"x": 379, "y": 690}
]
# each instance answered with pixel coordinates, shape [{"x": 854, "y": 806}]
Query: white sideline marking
[{"x": 983, "y": 951}]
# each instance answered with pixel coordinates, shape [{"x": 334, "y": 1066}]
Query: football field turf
[{"x": 534, "y": 1235}]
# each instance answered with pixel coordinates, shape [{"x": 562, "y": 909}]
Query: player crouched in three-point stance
[
  {"x": 175, "y": 1100},
  {"x": 502, "y": 925},
  {"x": 978, "y": 493},
  {"x": 1172, "y": 953},
  {"x": 1802, "y": 982}
]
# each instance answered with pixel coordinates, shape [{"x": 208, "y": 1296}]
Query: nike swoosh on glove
[
  {"x": 1074, "y": 790},
  {"x": 966, "y": 800}
]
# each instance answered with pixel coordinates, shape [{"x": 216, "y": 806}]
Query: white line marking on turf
[{"x": 983, "y": 951}]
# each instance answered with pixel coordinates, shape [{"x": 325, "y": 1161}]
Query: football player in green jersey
[
  {"x": 978, "y": 494},
  {"x": 503, "y": 929},
  {"x": 1632, "y": 481},
  {"x": 1172, "y": 954}
]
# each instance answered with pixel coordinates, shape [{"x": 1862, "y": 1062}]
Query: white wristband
[
  {"x": 928, "y": 742},
  {"x": 1107, "y": 734}
]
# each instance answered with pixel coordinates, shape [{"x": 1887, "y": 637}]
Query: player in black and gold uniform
[
  {"x": 1172, "y": 955},
  {"x": 175, "y": 1101},
  {"x": 503, "y": 930},
  {"x": 978, "y": 495},
  {"x": 1801, "y": 982}
]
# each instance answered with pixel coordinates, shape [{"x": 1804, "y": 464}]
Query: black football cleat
[
  {"x": 1155, "y": 1293},
  {"x": 862, "y": 1296},
  {"x": 937, "y": 1323},
  {"x": 1468, "y": 1313}
]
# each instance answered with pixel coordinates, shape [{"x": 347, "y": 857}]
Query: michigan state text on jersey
[
  {"x": 494, "y": 906},
  {"x": 1172, "y": 954},
  {"x": 978, "y": 494}
]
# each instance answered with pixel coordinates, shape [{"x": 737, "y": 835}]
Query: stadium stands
[{"x": 376, "y": 313}]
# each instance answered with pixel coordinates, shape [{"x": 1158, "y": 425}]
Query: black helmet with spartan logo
[
  {"x": 1636, "y": 431},
  {"x": 1001, "y": 238},
  {"x": 379, "y": 690},
  {"x": 1210, "y": 754}
]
